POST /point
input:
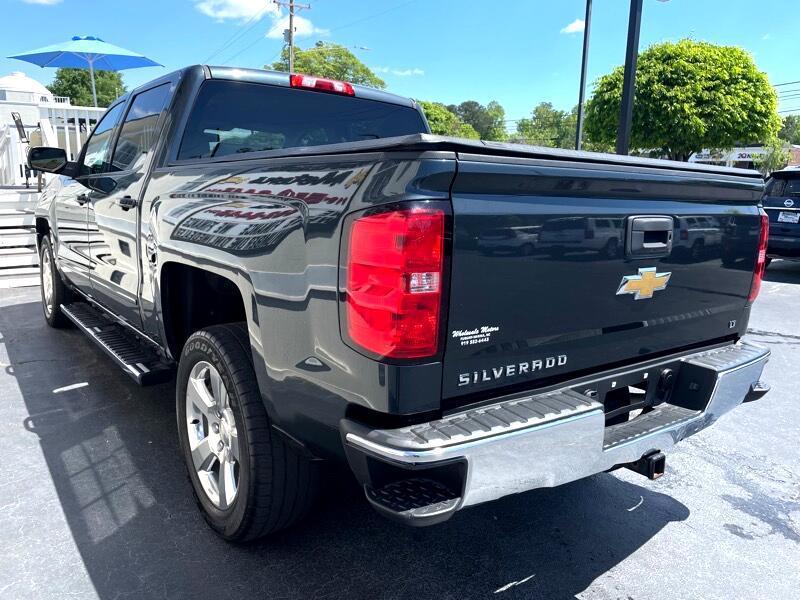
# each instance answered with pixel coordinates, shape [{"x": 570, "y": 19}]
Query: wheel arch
[
  {"x": 192, "y": 298},
  {"x": 42, "y": 225}
]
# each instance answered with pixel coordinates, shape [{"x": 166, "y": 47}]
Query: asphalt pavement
[{"x": 95, "y": 503}]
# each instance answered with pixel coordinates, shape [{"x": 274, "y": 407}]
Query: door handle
[
  {"x": 649, "y": 236},
  {"x": 82, "y": 199},
  {"x": 127, "y": 202}
]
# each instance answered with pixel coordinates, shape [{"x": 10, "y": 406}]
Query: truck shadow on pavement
[{"x": 111, "y": 449}]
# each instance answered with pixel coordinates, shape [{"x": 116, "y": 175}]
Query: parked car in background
[
  {"x": 698, "y": 234},
  {"x": 602, "y": 235},
  {"x": 782, "y": 203}
]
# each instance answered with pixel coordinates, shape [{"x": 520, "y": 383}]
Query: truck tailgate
[{"x": 543, "y": 283}]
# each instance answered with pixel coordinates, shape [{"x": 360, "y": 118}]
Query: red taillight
[
  {"x": 309, "y": 82},
  {"x": 394, "y": 282},
  {"x": 761, "y": 258}
]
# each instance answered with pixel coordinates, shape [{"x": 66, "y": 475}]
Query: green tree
[
  {"x": 790, "y": 129},
  {"x": 689, "y": 95},
  {"x": 446, "y": 122},
  {"x": 548, "y": 126},
  {"x": 775, "y": 157},
  {"x": 76, "y": 85},
  {"x": 488, "y": 121},
  {"x": 331, "y": 61}
]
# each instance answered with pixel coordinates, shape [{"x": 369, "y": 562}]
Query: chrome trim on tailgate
[{"x": 557, "y": 437}]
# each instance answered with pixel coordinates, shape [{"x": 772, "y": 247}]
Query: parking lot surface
[{"x": 95, "y": 503}]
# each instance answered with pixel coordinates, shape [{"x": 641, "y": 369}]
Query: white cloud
[
  {"x": 246, "y": 10},
  {"x": 766, "y": 36},
  {"x": 302, "y": 27},
  {"x": 577, "y": 26},
  {"x": 399, "y": 72},
  {"x": 42, "y": 2},
  {"x": 235, "y": 10}
]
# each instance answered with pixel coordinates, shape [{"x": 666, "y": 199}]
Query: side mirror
[{"x": 49, "y": 160}]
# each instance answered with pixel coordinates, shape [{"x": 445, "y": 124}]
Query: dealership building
[{"x": 741, "y": 157}]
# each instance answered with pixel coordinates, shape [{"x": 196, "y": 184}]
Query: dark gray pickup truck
[{"x": 455, "y": 320}]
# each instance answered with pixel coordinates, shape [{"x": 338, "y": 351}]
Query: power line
[
  {"x": 337, "y": 28},
  {"x": 250, "y": 45},
  {"x": 788, "y": 110},
  {"x": 367, "y": 18},
  {"x": 238, "y": 35},
  {"x": 785, "y": 83}
]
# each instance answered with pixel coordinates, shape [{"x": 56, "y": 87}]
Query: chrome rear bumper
[{"x": 560, "y": 436}]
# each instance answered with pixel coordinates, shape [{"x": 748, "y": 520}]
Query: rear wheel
[
  {"x": 54, "y": 292},
  {"x": 698, "y": 248},
  {"x": 247, "y": 480}
]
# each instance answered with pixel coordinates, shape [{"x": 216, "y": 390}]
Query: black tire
[
  {"x": 276, "y": 482},
  {"x": 697, "y": 250},
  {"x": 60, "y": 293}
]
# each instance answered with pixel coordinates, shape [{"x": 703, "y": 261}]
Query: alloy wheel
[
  {"x": 47, "y": 282},
  {"x": 213, "y": 436}
]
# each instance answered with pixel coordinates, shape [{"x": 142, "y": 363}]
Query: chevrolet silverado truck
[{"x": 307, "y": 262}]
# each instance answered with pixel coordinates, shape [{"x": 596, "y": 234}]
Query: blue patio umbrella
[{"x": 83, "y": 52}]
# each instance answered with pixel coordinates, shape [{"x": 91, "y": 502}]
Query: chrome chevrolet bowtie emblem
[{"x": 644, "y": 284}]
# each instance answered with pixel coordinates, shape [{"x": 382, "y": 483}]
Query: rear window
[
  {"x": 232, "y": 117},
  {"x": 783, "y": 186},
  {"x": 792, "y": 187}
]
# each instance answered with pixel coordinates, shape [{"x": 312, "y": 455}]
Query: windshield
[{"x": 231, "y": 117}]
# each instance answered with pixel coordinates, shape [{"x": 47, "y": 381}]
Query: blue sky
[{"x": 518, "y": 52}]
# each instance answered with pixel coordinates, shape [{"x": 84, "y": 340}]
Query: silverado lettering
[{"x": 511, "y": 370}]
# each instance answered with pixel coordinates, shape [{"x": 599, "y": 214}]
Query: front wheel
[
  {"x": 54, "y": 292},
  {"x": 247, "y": 480}
]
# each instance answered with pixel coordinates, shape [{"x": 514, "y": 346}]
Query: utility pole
[
  {"x": 288, "y": 34},
  {"x": 629, "y": 79},
  {"x": 587, "y": 28}
]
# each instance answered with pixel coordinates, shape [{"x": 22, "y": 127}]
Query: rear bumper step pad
[{"x": 136, "y": 357}]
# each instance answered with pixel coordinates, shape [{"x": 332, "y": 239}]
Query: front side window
[
  {"x": 233, "y": 117},
  {"x": 98, "y": 148},
  {"x": 139, "y": 131}
]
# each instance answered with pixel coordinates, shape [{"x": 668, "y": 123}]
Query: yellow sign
[{"x": 643, "y": 285}]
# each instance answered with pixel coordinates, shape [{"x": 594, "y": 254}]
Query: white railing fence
[
  {"x": 7, "y": 163},
  {"x": 70, "y": 126}
]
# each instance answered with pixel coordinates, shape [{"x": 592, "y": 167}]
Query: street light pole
[
  {"x": 629, "y": 79},
  {"x": 584, "y": 60}
]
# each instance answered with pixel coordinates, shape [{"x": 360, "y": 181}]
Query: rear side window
[
  {"x": 775, "y": 186},
  {"x": 138, "y": 134},
  {"x": 232, "y": 117}
]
